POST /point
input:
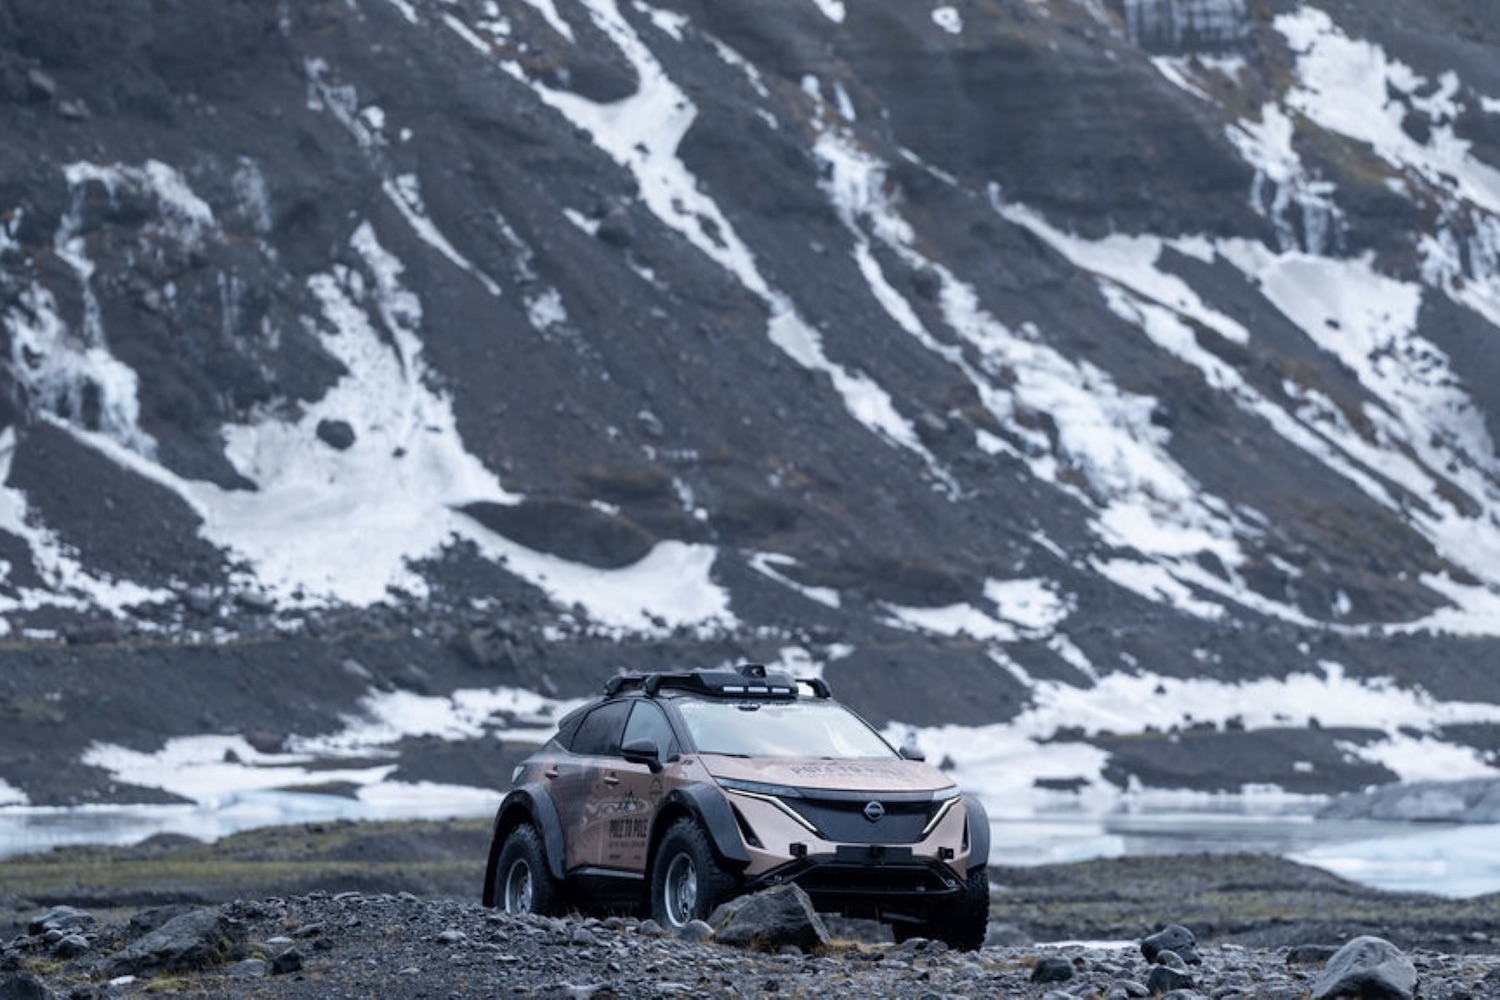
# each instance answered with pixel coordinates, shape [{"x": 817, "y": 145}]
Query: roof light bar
[{"x": 750, "y": 680}]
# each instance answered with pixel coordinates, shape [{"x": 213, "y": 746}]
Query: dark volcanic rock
[
  {"x": 574, "y": 531},
  {"x": 362, "y": 943},
  {"x": 1173, "y": 938},
  {"x": 337, "y": 434},
  {"x": 23, "y": 986},
  {"x": 768, "y": 920},
  {"x": 191, "y": 941},
  {"x": 1369, "y": 968},
  {"x": 120, "y": 524}
]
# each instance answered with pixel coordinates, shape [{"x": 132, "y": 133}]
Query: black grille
[{"x": 844, "y": 820}]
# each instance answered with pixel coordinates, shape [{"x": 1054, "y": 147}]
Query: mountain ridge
[{"x": 1017, "y": 345}]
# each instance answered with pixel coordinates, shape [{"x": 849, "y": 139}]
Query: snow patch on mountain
[
  {"x": 1023, "y": 609},
  {"x": 1013, "y": 762},
  {"x": 832, "y": 9},
  {"x": 407, "y": 462},
  {"x": 771, "y": 565},
  {"x": 949, "y": 19},
  {"x": 1354, "y": 88},
  {"x": 642, "y": 133},
  {"x": 68, "y": 582},
  {"x": 68, "y": 368}
]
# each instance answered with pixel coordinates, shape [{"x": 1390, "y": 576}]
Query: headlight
[
  {"x": 938, "y": 814},
  {"x": 759, "y": 788}
]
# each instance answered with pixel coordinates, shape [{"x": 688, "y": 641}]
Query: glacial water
[{"x": 1444, "y": 859}]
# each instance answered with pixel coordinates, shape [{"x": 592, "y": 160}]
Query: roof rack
[{"x": 748, "y": 680}]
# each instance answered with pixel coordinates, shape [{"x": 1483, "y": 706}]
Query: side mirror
[
  {"x": 643, "y": 751},
  {"x": 912, "y": 753}
]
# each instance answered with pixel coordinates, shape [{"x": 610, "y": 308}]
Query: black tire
[
  {"x": 963, "y": 926},
  {"x": 522, "y": 882},
  {"x": 687, "y": 880}
]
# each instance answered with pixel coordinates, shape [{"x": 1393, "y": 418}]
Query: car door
[
  {"x": 584, "y": 784},
  {"x": 633, "y": 791}
]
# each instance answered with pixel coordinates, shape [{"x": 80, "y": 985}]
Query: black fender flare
[
  {"x": 711, "y": 809},
  {"x": 979, "y": 833},
  {"x": 528, "y": 803}
]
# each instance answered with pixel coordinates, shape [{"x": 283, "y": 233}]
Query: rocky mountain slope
[{"x": 1126, "y": 367}]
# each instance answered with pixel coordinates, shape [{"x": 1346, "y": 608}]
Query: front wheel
[
  {"x": 963, "y": 926},
  {"x": 522, "y": 882},
  {"x": 687, "y": 881}
]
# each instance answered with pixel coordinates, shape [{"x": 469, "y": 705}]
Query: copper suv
[{"x": 677, "y": 791}]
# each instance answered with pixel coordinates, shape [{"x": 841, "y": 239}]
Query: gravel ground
[
  {"x": 326, "y": 945},
  {"x": 398, "y": 945},
  {"x": 366, "y": 910}
]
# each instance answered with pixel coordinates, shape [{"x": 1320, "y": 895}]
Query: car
[{"x": 677, "y": 791}]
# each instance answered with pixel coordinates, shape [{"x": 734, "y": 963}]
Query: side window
[
  {"x": 599, "y": 733},
  {"x": 647, "y": 722}
]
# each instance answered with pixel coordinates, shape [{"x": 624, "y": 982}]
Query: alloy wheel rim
[
  {"x": 518, "y": 888},
  {"x": 682, "y": 890}
]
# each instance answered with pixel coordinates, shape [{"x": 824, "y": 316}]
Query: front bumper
[{"x": 869, "y": 881}]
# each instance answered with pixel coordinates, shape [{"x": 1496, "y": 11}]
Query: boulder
[
  {"x": 193, "y": 940},
  {"x": 337, "y": 434},
  {"x": 770, "y": 920},
  {"x": 1367, "y": 968},
  {"x": 1052, "y": 969},
  {"x": 1174, "y": 938},
  {"x": 23, "y": 986},
  {"x": 63, "y": 918},
  {"x": 569, "y": 530},
  {"x": 1164, "y": 979}
]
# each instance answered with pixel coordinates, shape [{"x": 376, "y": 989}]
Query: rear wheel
[
  {"x": 963, "y": 925},
  {"x": 522, "y": 882},
  {"x": 687, "y": 881}
]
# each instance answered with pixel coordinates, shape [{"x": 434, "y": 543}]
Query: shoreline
[
  {"x": 1451, "y": 859},
  {"x": 1247, "y": 899}
]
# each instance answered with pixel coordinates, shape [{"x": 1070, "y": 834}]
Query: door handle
[
  {"x": 551, "y": 772},
  {"x": 610, "y": 779}
]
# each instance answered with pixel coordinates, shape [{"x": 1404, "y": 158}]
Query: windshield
[{"x": 780, "y": 729}]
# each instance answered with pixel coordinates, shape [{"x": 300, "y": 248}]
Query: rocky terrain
[
  {"x": 354, "y": 945},
  {"x": 396, "y": 917}
]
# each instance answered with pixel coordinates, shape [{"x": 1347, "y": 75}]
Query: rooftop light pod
[{"x": 748, "y": 680}]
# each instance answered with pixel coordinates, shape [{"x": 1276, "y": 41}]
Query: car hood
[{"x": 831, "y": 775}]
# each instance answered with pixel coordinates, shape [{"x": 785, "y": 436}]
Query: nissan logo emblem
[{"x": 874, "y": 811}]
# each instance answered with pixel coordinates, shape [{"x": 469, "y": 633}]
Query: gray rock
[
  {"x": 337, "y": 434},
  {"x": 193, "y": 940},
  {"x": 1173, "y": 937},
  {"x": 250, "y": 968},
  {"x": 1369, "y": 968},
  {"x": 1052, "y": 969},
  {"x": 1164, "y": 979},
  {"x": 696, "y": 930},
  {"x": 1310, "y": 954},
  {"x": 767, "y": 920},
  {"x": 70, "y": 946},
  {"x": 62, "y": 918},
  {"x": 23, "y": 986}
]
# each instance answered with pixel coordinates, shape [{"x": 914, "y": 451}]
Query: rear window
[
  {"x": 781, "y": 729},
  {"x": 598, "y": 735}
]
